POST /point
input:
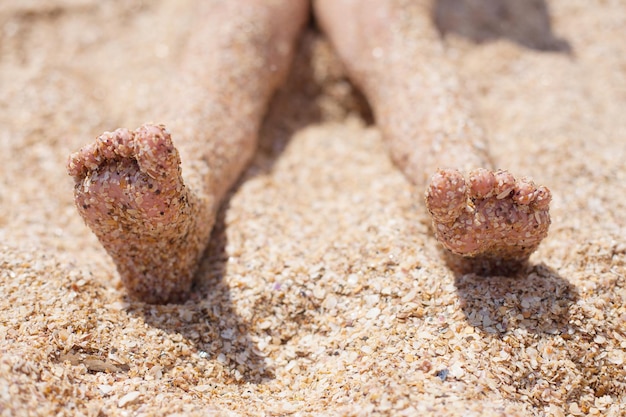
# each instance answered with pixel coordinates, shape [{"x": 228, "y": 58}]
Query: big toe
[
  {"x": 446, "y": 195},
  {"x": 155, "y": 152}
]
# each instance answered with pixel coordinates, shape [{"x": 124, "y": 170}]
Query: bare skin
[
  {"x": 151, "y": 216},
  {"x": 154, "y": 218},
  {"x": 393, "y": 52}
]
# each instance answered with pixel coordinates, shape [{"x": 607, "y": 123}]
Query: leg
[
  {"x": 130, "y": 189},
  {"x": 393, "y": 52}
]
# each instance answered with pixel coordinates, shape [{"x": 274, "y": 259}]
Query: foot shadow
[
  {"x": 527, "y": 23},
  {"x": 208, "y": 320},
  {"x": 536, "y": 299}
]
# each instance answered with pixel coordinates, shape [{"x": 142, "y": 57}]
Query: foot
[
  {"x": 491, "y": 217},
  {"x": 130, "y": 192}
]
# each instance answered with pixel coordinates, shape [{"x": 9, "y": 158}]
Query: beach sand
[{"x": 322, "y": 290}]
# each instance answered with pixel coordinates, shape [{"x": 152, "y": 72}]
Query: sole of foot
[
  {"x": 491, "y": 218},
  {"x": 130, "y": 192}
]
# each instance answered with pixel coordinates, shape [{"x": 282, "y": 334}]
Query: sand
[{"x": 322, "y": 291}]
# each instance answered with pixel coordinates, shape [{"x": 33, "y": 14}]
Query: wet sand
[{"x": 322, "y": 290}]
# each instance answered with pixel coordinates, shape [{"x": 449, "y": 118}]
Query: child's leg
[
  {"x": 392, "y": 51},
  {"x": 129, "y": 188}
]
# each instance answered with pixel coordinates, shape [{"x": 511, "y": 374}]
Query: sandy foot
[
  {"x": 129, "y": 188},
  {"x": 427, "y": 120},
  {"x": 130, "y": 192},
  {"x": 491, "y": 216}
]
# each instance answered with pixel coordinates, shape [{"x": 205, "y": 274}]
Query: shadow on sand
[
  {"x": 208, "y": 320},
  {"x": 535, "y": 298},
  {"x": 528, "y": 22}
]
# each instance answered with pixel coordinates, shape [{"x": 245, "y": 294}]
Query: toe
[
  {"x": 505, "y": 184},
  {"x": 525, "y": 191},
  {"x": 155, "y": 152},
  {"x": 112, "y": 145},
  {"x": 543, "y": 198},
  {"x": 87, "y": 158},
  {"x": 108, "y": 146},
  {"x": 446, "y": 195},
  {"x": 481, "y": 183},
  {"x": 75, "y": 165}
]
